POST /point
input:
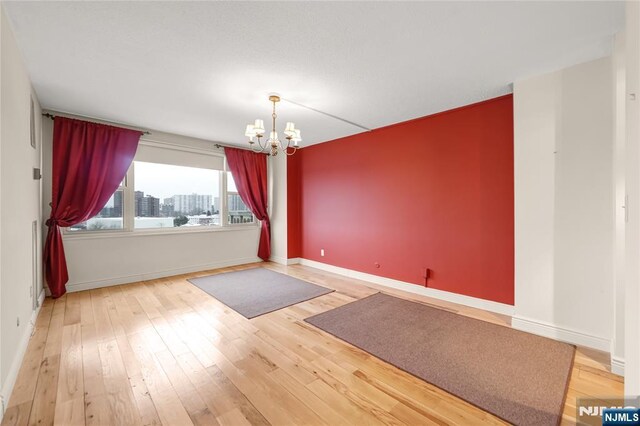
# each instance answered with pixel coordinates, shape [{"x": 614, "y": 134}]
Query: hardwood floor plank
[
  {"x": 27, "y": 379},
  {"x": 17, "y": 415},
  {"x": 311, "y": 400},
  {"x": 148, "y": 301},
  {"x": 262, "y": 391},
  {"x": 69, "y": 409},
  {"x": 44, "y": 402},
  {"x": 116, "y": 384},
  {"x": 72, "y": 310},
  {"x": 220, "y": 395},
  {"x": 358, "y": 392},
  {"x": 233, "y": 418},
  {"x": 102, "y": 322},
  {"x": 44, "y": 399},
  {"x": 407, "y": 389},
  {"x": 191, "y": 400},
  {"x": 356, "y": 413},
  {"x": 146, "y": 409},
  {"x": 168, "y": 405},
  {"x": 97, "y": 409},
  {"x": 167, "y": 302}
]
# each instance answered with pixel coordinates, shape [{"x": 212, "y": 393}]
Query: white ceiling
[{"x": 204, "y": 69}]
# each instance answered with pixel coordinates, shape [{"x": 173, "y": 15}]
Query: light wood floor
[{"x": 163, "y": 352}]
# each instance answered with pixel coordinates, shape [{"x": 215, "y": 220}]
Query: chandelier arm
[
  {"x": 262, "y": 148},
  {"x": 285, "y": 148},
  {"x": 265, "y": 147},
  {"x": 293, "y": 152}
]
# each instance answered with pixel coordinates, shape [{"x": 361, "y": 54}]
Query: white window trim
[
  {"x": 145, "y": 140},
  {"x": 89, "y": 235},
  {"x": 128, "y": 200}
]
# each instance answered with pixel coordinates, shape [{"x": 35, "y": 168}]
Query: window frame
[{"x": 128, "y": 201}]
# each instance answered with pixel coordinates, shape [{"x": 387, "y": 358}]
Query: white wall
[
  {"x": 2, "y": 380},
  {"x": 19, "y": 207},
  {"x": 535, "y": 112},
  {"x": 619, "y": 85},
  {"x": 107, "y": 260},
  {"x": 632, "y": 234},
  {"x": 278, "y": 207},
  {"x": 101, "y": 260},
  {"x": 564, "y": 204}
]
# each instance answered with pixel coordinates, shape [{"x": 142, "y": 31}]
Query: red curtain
[
  {"x": 249, "y": 171},
  {"x": 89, "y": 162}
]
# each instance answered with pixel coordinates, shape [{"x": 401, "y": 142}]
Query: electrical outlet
[
  {"x": 426, "y": 274},
  {"x": 322, "y": 252}
]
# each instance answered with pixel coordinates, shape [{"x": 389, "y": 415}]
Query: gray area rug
[
  {"x": 519, "y": 377},
  {"x": 258, "y": 291}
]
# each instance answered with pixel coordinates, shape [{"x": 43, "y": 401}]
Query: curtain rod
[
  {"x": 220, "y": 145},
  {"x": 144, "y": 132}
]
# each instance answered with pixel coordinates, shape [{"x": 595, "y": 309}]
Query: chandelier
[{"x": 273, "y": 144}]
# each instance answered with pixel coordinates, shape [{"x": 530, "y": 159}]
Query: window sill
[{"x": 88, "y": 235}]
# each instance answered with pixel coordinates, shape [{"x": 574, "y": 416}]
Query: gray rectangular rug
[
  {"x": 519, "y": 377},
  {"x": 258, "y": 291}
]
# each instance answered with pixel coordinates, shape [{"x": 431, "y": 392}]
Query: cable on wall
[{"x": 327, "y": 114}]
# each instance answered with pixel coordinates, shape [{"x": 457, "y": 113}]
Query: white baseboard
[
  {"x": 284, "y": 260},
  {"x": 460, "y": 299},
  {"x": 617, "y": 366},
  {"x": 12, "y": 375},
  {"x": 108, "y": 282},
  {"x": 519, "y": 323},
  {"x": 278, "y": 259},
  {"x": 560, "y": 333}
]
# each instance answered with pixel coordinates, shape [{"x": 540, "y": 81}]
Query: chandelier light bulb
[
  {"x": 290, "y": 129},
  {"x": 250, "y": 132},
  {"x": 297, "y": 137},
  {"x": 258, "y": 127}
]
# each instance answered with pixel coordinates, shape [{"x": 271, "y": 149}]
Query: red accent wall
[{"x": 435, "y": 192}]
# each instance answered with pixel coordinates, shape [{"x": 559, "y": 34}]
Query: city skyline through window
[
  {"x": 171, "y": 196},
  {"x": 164, "y": 180}
]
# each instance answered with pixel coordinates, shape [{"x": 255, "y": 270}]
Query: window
[
  {"x": 237, "y": 211},
  {"x": 168, "y": 196},
  {"x": 170, "y": 187}
]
